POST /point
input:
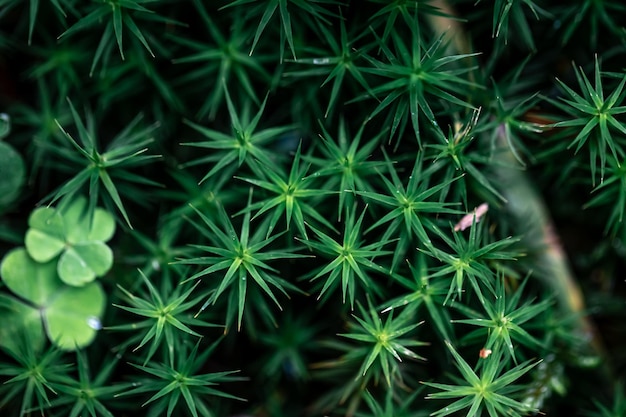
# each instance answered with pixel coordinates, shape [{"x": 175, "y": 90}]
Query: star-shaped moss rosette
[
  {"x": 77, "y": 241},
  {"x": 70, "y": 315}
]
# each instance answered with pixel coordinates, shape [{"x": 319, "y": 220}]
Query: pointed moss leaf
[
  {"x": 12, "y": 173},
  {"x": 73, "y": 317},
  {"x": 45, "y": 238},
  {"x": 19, "y": 321},
  {"x": 83, "y": 262},
  {"x": 33, "y": 281}
]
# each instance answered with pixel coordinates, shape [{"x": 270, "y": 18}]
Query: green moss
[{"x": 319, "y": 207}]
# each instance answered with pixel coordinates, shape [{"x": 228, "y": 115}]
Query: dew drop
[
  {"x": 94, "y": 323},
  {"x": 321, "y": 61}
]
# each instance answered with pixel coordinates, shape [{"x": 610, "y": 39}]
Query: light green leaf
[
  {"x": 73, "y": 317},
  {"x": 83, "y": 262},
  {"x": 33, "y": 281},
  {"x": 46, "y": 238},
  {"x": 5, "y": 125},
  {"x": 42, "y": 247},
  {"x": 103, "y": 227},
  {"x": 75, "y": 235},
  {"x": 12, "y": 172},
  {"x": 76, "y": 220},
  {"x": 77, "y": 223}
]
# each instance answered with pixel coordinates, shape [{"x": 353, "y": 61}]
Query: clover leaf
[
  {"x": 29, "y": 280},
  {"x": 70, "y": 315},
  {"x": 5, "y": 125},
  {"x": 77, "y": 239},
  {"x": 12, "y": 168},
  {"x": 72, "y": 318}
]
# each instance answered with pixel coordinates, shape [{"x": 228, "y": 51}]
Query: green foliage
[
  {"x": 241, "y": 257},
  {"x": 77, "y": 241},
  {"x": 470, "y": 258},
  {"x": 118, "y": 16},
  {"x": 335, "y": 64},
  {"x": 387, "y": 340},
  {"x": 595, "y": 119},
  {"x": 505, "y": 319},
  {"x": 54, "y": 277},
  {"x": 421, "y": 289},
  {"x": 597, "y": 16},
  {"x": 163, "y": 317},
  {"x": 310, "y": 13},
  {"x": 288, "y": 348},
  {"x": 30, "y": 376},
  {"x": 12, "y": 169},
  {"x": 291, "y": 193},
  {"x": 124, "y": 151},
  {"x": 417, "y": 72},
  {"x": 491, "y": 391},
  {"x": 408, "y": 206},
  {"x": 618, "y": 407},
  {"x": 86, "y": 393},
  {"x": 225, "y": 55},
  {"x": 390, "y": 408},
  {"x": 510, "y": 14},
  {"x": 344, "y": 164},
  {"x": 181, "y": 378},
  {"x": 33, "y": 10},
  {"x": 242, "y": 145},
  {"x": 71, "y": 315},
  {"x": 330, "y": 203},
  {"x": 351, "y": 259}
]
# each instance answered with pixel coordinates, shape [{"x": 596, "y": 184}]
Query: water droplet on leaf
[{"x": 94, "y": 323}]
